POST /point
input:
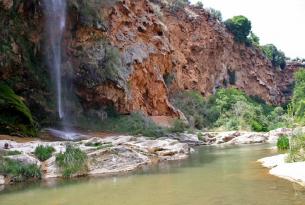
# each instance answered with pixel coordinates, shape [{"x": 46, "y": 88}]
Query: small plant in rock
[
  {"x": 44, "y": 153},
  {"x": 98, "y": 145},
  {"x": 200, "y": 136},
  {"x": 73, "y": 160},
  {"x": 12, "y": 152},
  {"x": 283, "y": 143},
  {"x": 18, "y": 171}
]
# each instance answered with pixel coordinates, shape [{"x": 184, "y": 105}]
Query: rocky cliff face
[{"x": 133, "y": 54}]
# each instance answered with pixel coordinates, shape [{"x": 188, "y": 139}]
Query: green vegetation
[
  {"x": 298, "y": 99},
  {"x": 18, "y": 171},
  {"x": 229, "y": 109},
  {"x": 178, "y": 126},
  {"x": 73, "y": 160},
  {"x": 134, "y": 124},
  {"x": 253, "y": 39},
  {"x": 240, "y": 26},
  {"x": 277, "y": 57},
  {"x": 283, "y": 143},
  {"x": 296, "y": 152},
  {"x": 44, "y": 153},
  {"x": 99, "y": 145},
  {"x": 11, "y": 153},
  {"x": 15, "y": 116}
]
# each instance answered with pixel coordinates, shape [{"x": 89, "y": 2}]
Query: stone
[{"x": 2, "y": 180}]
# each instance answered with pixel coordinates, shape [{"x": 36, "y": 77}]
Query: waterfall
[{"x": 55, "y": 22}]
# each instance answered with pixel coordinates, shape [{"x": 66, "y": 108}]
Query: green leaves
[
  {"x": 277, "y": 57},
  {"x": 240, "y": 26}
]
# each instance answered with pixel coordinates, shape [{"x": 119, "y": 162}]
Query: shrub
[
  {"x": 98, "y": 145},
  {"x": 19, "y": 171},
  {"x": 296, "y": 152},
  {"x": 298, "y": 99},
  {"x": 199, "y": 112},
  {"x": 277, "y": 57},
  {"x": 199, "y": 4},
  {"x": 253, "y": 39},
  {"x": 283, "y": 143},
  {"x": 11, "y": 153},
  {"x": 71, "y": 161},
  {"x": 240, "y": 26},
  {"x": 44, "y": 153},
  {"x": 134, "y": 124},
  {"x": 178, "y": 126}
]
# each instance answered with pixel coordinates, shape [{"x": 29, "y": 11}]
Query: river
[{"x": 211, "y": 176}]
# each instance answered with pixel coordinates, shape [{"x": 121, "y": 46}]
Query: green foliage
[
  {"x": 178, "y": 126},
  {"x": 15, "y": 116},
  {"x": 298, "y": 99},
  {"x": 283, "y": 143},
  {"x": 240, "y": 26},
  {"x": 277, "y": 57},
  {"x": 11, "y": 153},
  {"x": 73, "y": 160},
  {"x": 43, "y": 153},
  {"x": 135, "y": 124},
  {"x": 296, "y": 152},
  {"x": 19, "y": 171},
  {"x": 99, "y": 145},
  {"x": 215, "y": 14},
  {"x": 230, "y": 109},
  {"x": 253, "y": 39},
  {"x": 199, "y": 112}
]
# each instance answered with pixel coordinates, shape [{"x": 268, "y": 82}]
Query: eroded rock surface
[{"x": 112, "y": 155}]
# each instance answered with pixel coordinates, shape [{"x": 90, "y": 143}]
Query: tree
[
  {"x": 277, "y": 57},
  {"x": 253, "y": 39},
  {"x": 240, "y": 26}
]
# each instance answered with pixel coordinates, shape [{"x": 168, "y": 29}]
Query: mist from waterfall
[{"x": 55, "y": 23}]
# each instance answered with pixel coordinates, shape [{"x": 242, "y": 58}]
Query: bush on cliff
[
  {"x": 15, "y": 116},
  {"x": 240, "y": 26},
  {"x": 298, "y": 99},
  {"x": 277, "y": 57}
]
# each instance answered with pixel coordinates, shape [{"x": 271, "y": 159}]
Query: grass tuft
[{"x": 73, "y": 160}]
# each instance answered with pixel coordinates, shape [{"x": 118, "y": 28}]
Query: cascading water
[{"x": 55, "y": 11}]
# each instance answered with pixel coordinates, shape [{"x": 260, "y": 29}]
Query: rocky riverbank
[
  {"x": 109, "y": 155},
  {"x": 117, "y": 154}
]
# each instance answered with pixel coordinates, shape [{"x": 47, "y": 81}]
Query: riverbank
[
  {"x": 109, "y": 155},
  {"x": 118, "y": 154},
  {"x": 293, "y": 172}
]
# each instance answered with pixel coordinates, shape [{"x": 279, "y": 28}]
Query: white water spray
[{"x": 55, "y": 11}]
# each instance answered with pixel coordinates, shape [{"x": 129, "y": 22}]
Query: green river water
[{"x": 211, "y": 176}]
